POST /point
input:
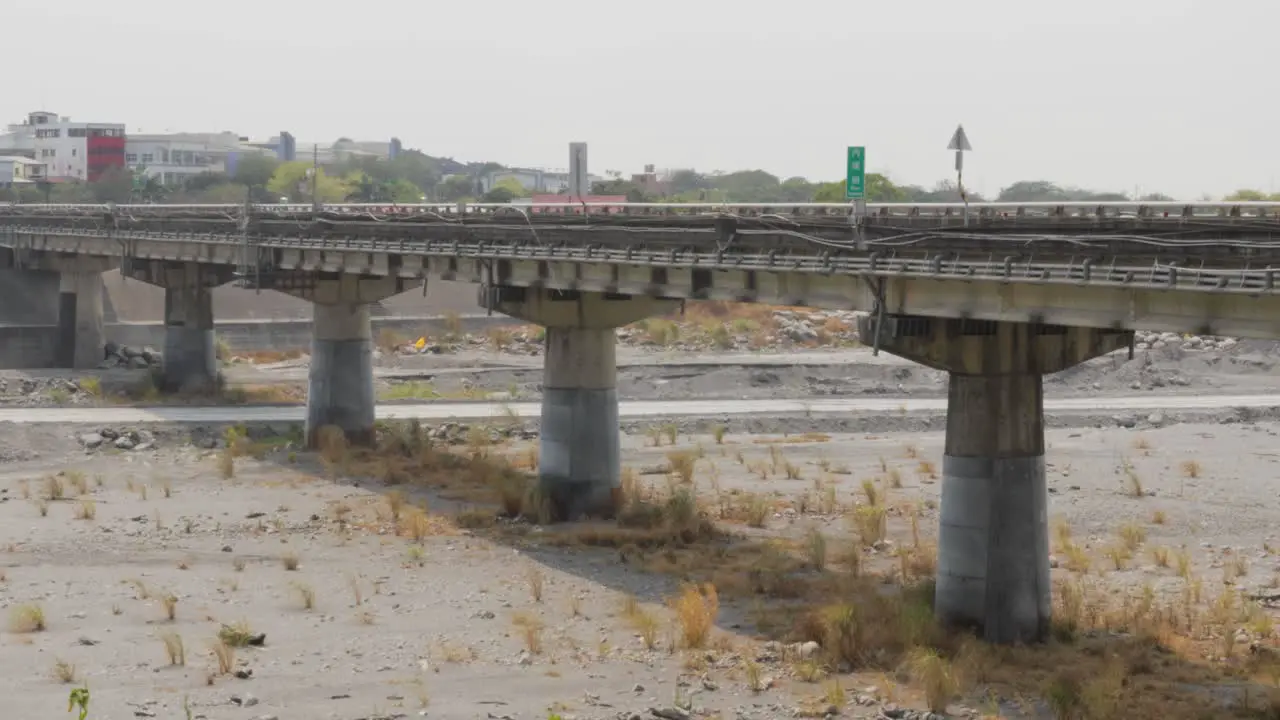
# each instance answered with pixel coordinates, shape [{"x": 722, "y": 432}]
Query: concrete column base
[
  {"x": 579, "y": 462},
  {"x": 993, "y": 535},
  {"x": 81, "y": 340},
  {"x": 190, "y": 360},
  {"x": 340, "y": 384},
  {"x": 580, "y": 457},
  {"x": 190, "y": 354}
]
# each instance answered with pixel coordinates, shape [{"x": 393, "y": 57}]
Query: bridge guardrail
[
  {"x": 887, "y": 263},
  {"x": 1078, "y": 209}
]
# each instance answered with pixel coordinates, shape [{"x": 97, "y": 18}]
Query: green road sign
[{"x": 855, "y": 182}]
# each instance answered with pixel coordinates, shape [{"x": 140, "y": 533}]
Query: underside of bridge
[
  {"x": 579, "y": 461},
  {"x": 993, "y": 535}
]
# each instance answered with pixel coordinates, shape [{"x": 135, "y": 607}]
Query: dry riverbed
[{"x": 259, "y": 581}]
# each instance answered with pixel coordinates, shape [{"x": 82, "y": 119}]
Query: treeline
[
  {"x": 413, "y": 176},
  {"x": 410, "y": 177}
]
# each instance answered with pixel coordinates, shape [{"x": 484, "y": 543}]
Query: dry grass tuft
[
  {"x": 1133, "y": 482},
  {"x": 224, "y": 655},
  {"x": 416, "y": 525},
  {"x": 534, "y": 577},
  {"x": 1190, "y": 468},
  {"x": 870, "y": 524},
  {"x": 28, "y": 618},
  {"x": 306, "y": 594},
  {"x": 169, "y": 602},
  {"x": 54, "y": 489},
  {"x": 696, "y": 610},
  {"x": 173, "y": 648},
  {"x": 934, "y": 674},
  {"x": 64, "y": 672},
  {"x": 531, "y": 629},
  {"x": 236, "y": 635},
  {"x": 681, "y": 463},
  {"x": 290, "y": 560}
]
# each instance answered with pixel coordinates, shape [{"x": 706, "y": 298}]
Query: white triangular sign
[{"x": 959, "y": 141}]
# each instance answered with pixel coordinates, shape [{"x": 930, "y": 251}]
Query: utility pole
[{"x": 315, "y": 178}]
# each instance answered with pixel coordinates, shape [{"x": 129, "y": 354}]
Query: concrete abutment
[
  {"x": 993, "y": 533},
  {"x": 579, "y": 461}
]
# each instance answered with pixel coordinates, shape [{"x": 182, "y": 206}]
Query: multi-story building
[
  {"x": 19, "y": 170},
  {"x": 69, "y": 150},
  {"x": 173, "y": 158}
]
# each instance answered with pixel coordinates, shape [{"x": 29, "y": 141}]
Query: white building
[
  {"x": 18, "y": 170},
  {"x": 70, "y": 150},
  {"x": 172, "y": 158}
]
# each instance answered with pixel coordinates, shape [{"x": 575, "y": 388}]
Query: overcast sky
[{"x": 1176, "y": 96}]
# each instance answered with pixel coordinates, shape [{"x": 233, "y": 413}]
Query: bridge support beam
[
  {"x": 993, "y": 534},
  {"x": 80, "y": 329},
  {"x": 579, "y": 466},
  {"x": 340, "y": 384}
]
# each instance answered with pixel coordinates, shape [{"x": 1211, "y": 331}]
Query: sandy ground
[{"x": 441, "y": 627}]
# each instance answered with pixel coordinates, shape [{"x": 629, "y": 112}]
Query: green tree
[
  {"x": 748, "y": 186},
  {"x": 829, "y": 192},
  {"x": 1032, "y": 191},
  {"x": 292, "y": 180},
  {"x": 222, "y": 193},
  {"x": 795, "y": 189},
  {"x": 455, "y": 188},
  {"x": 114, "y": 185},
  {"x": 255, "y": 170},
  {"x": 685, "y": 181},
  {"x": 879, "y": 189},
  {"x": 1246, "y": 195},
  {"x": 404, "y": 191}
]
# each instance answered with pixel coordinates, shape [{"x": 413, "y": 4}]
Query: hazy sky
[{"x": 1177, "y": 96}]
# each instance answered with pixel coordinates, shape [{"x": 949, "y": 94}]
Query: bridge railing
[
  {"x": 989, "y": 210},
  {"x": 999, "y": 267}
]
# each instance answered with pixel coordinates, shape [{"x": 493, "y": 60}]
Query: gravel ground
[{"x": 404, "y": 629}]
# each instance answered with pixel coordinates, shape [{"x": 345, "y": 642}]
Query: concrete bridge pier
[
  {"x": 190, "y": 355},
  {"x": 340, "y": 384},
  {"x": 80, "y": 329},
  {"x": 993, "y": 534},
  {"x": 579, "y": 465},
  {"x": 190, "y": 352}
]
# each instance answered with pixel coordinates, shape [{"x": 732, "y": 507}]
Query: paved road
[{"x": 632, "y": 409}]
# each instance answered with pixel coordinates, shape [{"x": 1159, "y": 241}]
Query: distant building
[
  {"x": 69, "y": 150},
  {"x": 534, "y": 180},
  {"x": 330, "y": 153},
  {"x": 173, "y": 158},
  {"x": 19, "y": 170}
]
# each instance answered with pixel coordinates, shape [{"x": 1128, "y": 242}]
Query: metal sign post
[
  {"x": 855, "y": 185},
  {"x": 960, "y": 143}
]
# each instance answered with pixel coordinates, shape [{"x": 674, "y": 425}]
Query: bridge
[{"x": 996, "y": 294}]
